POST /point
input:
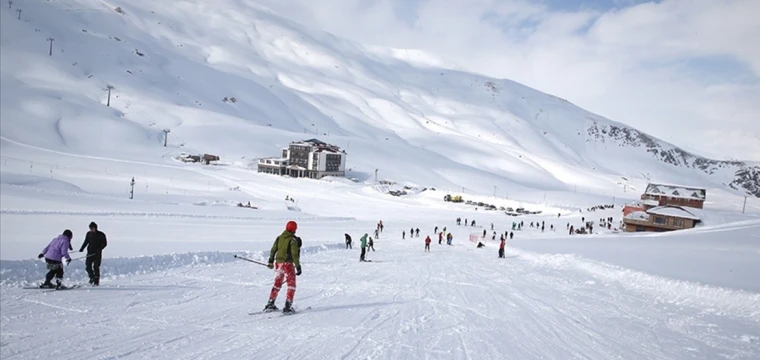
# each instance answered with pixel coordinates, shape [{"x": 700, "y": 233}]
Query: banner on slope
[{"x": 474, "y": 238}]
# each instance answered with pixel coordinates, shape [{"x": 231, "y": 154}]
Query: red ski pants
[{"x": 284, "y": 271}]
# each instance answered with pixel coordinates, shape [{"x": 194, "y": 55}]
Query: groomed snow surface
[{"x": 172, "y": 289}]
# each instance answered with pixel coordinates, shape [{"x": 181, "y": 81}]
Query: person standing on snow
[
  {"x": 363, "y": 241},
  {"x": 371, "y": 245},
  {"x": 449, "y": 238},
  {"x": 348, "y": 241},
  {"x": 417, "y": 232},
  {"x": 427, "y": 244},
  {"x": 286, "y": 250},
  {"x": 501, "y": 249},
  {"x": 440, "y": 238},
  {"x": 403, "y": 235},
  {"x": 54, "y": 253},
  {"x": 95, "y": 241},
  {"x": 436, "y": 230}
]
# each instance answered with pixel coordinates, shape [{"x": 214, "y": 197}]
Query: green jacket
[
  {"x": 364, "y": 240},
  {"x": 286, "y": 248}
]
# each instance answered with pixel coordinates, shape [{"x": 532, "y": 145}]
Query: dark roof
[{"x": 315, "y": 141}]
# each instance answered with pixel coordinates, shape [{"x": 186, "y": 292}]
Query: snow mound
[{"x": 33, "y": 181}]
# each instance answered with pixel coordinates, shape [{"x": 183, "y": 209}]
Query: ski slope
[{"x": 455, "y": 302}]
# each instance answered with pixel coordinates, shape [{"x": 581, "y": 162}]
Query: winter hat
[
  {"x": 67, "y": 233},
  {"x": 291, "y": 226},
  {"x": 93, "y": 225}
]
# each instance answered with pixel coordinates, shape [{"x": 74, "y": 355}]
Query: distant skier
[
  {"x": 436, "y": 230},
  {"x": 484, "y": 233},
  {"x": 95, "y": 241},
  {"x": 348, "y": 241},
  {"x": 363, "y": 242},
  {"x": 511, "y": 235},
  {"x": 491, "y": 226},
  {"x": 411, "y": 232},
  {"x": 427, "y": 244},
  {"x": 449, "y": 238},
  {"x": 473, "y": 223},
  {"x": 377, "y": 233},
  {"x": 444, "y": 229},
  {"x": 501, "y": 249},
  {"x": 542, "y": 227},
  {"x": 417, "y": 232},
  {"x": 54, "y": 253},
  {"x": 371, "y": 245},
  {"x": 403, "y": 235},
  {"x": 286, "y": 250},
  {"x": 440, "y": 238}
]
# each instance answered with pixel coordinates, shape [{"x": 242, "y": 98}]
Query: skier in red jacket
[
  {"x": 501, "y": 248},
  {"x": 427, "y": 244}
]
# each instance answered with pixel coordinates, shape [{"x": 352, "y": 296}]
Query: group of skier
[{"x": 58, "y": 250}]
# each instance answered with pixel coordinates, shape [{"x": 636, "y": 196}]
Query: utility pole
[
  {"x": 166, "y": 136},
  {"x": 10, "y": 3},
  {"x": 109, "y": 87},
  {"x": 375, "y": 175},
  {"x": 49, "y": 39},
  {"x": 494, "y": 191},
  {"x": 132, "y": 190},
  {"x": 745, "y": 204},
  {"x": 19, "y": 13}
]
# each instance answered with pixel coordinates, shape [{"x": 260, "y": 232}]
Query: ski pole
[
  {"x": 249, "y": 260},
  {"x": 83, "y": 257}
]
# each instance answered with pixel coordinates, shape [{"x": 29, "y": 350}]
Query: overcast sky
[{"x": 686, "y": 71}]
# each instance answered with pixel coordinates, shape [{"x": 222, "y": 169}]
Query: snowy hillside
[{"x": 234, "y": 79}]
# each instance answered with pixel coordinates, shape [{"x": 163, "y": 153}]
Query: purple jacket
[{"x": 57, "y": 249}]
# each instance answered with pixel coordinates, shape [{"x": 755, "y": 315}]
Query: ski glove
[
  {"x": 298, "y": 270},
  {"x": 40, "y": 256},
  {"x": 270, "y": 265}
]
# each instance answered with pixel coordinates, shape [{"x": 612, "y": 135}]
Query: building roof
[
  {"x": 651, "y": 202},
  {"x": 637, "y": 215},
  {"x": 683, "y": 212},
  {"x": 676, "y": 191}
]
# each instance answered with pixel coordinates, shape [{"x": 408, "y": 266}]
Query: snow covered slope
[{"x": 232, "y": 78}]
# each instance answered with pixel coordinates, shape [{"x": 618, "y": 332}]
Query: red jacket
[
  {"x": 427, "y": 240},
  {"x": 501, "y": 246}
]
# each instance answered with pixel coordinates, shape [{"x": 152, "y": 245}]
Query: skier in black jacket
[{"x": 95, "y": 241}]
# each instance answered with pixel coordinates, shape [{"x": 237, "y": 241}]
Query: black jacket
[{"x": 95, "y": 241}]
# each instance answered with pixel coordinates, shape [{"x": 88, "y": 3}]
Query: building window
[
  {"x": 640, "y": 228},
  {"x": 678, "y": 223},
  {"x": 659, "y": 220}
]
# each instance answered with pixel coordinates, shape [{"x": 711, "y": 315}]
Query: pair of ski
[
  {"x": 272, "y": 313},
  {"x": 77, "y": 286}
]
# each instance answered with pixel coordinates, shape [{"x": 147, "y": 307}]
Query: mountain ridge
[{"x": 173, "y": 67}]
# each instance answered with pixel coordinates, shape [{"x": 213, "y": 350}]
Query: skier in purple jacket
[{"x": 54, "y": 253}]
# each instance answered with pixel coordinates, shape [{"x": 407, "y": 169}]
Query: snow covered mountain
[{"x": 232, "y": 78}]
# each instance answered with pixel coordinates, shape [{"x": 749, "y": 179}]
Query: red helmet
[{"x": 291, "y": 226}]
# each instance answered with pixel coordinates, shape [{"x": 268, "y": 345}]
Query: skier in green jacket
[
  {"x": 286, "y": 251},
  {"x": 364, "y": 247}
]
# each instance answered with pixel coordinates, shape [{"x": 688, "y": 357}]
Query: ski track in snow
[{"x": 423, "y": 310}]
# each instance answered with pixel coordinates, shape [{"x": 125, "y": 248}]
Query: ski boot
[
  {"x": 59, "y": 284},
  {"x": 96, "y": 281},
  {"x": 270, "y": 306},
  {"x": 92, "y": 281},
  {"x": 288, "y": 309},
  {"x": 47, "y": 285}
]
